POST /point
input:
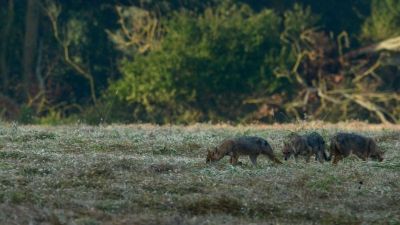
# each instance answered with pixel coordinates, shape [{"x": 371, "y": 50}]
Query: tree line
[{"x": 184, "y": 61}]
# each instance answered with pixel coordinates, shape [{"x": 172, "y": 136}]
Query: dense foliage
[
  {"x": 207, "y": 65},
  {"x": 188, "y": 61}
]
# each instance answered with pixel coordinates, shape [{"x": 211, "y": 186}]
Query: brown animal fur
[
  {"x": 247, "y": 145},
  {"x": 344, "y": 144},
  {"x": 306, "y": 146}
]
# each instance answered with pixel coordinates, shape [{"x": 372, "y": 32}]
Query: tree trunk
[
  {"x": 30, "y": 48},
  {"x": 5, "y": 36}
]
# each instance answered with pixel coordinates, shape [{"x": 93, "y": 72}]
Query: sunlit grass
[{"x": 146, "y": 174}]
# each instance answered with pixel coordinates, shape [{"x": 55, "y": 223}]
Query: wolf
[
  {"x": 306, "y": 146},
  {"x": 245, "y": 145},
  {"x": 343, "y": 144}
]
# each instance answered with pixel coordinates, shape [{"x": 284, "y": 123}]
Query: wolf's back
[
  {"x": 316, "y": 141},
  {"x": 254, "y": 143}
]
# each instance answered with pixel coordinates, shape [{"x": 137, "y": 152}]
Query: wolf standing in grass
[
  {"x": 306, "y": 146},
  {"x": 247, "y": 145},
  {"x": 344, "y": 144}
]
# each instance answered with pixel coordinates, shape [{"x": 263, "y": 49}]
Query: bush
[
  {"x": 207, "y": 65},
  {"x": 384, "y": 21}
]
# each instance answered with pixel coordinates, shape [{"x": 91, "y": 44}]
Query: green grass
[{"x": 144, "y": 174}]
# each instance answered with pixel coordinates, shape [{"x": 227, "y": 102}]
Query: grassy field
[{"x": 145, "y": 174}]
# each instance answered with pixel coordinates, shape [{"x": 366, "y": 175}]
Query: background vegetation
[{"x": 194, "y": 61}]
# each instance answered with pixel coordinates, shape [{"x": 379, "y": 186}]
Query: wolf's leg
[
  {"x": 315, "y": 153},
  {"x": 234, "y": 159},
  {"x": 337, "y": 156},
  {"x": 363, "y": 157},
  {"x": 308, "y": 158},
  {"x": 253, "y": 159},
  {"x": 320, "y": 156}
]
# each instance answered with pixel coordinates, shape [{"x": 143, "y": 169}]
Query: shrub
[{"x": 207, "y": 65}]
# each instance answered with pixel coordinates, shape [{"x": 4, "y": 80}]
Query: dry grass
[{"x": 146, "y": 174}]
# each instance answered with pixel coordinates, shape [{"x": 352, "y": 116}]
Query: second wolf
[
  {"x": 246, "y": 145},
  {"x": 306, "y": 146}
]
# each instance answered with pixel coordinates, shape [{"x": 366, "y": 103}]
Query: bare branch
[
  {"x": 391, "y": 44},
  {"x": 53, "y": 11}
]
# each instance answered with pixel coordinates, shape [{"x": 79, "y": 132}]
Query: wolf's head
[
  {"x": 375, "y": 152},
  {"x": 288, "y": 146},
  {"x": 377, "y": 157},
  {"x": 211, "y": 155},
  {"x": 287, "y": 150}
]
